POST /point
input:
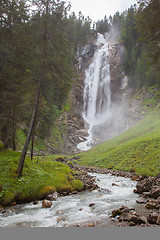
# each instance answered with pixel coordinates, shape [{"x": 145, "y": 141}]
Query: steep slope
[{"x": 137, "y": 149}]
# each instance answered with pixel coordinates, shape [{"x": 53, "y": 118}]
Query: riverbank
[
  {"x": 139, "y": 213},
  {"x": 41, "y": 177},
  {"x": 147, "y": 214}
]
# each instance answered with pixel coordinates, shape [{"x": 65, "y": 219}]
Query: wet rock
[
  {"x": 146, "y": 194},
  {"x": 116, "y": 212},
  {"x": 132, "y": 224},
  {"x": 80, "y": 209},
  {"x": 91, "y": 204},
  {"x": 141, "y": 201},
  {"x": 124, "y": 217},
  {"x": 125, "y": 210},
  {"x": 92, "y": 224},
  {"x": 58, "y": 219},
  {"x": 155, "y": 193},
  {"x": 35, "y": 202},
  {"x": 46, "y": 204},
  {"x": 145, "y": 185},
  {"x": 74, "y": 192},
  {"x": 152, "y": 218},
  {"x": 134, "y": 218},
  {"x": 114, "y": 184},
  {"x": 123, "y": 207},
  {"x": 143, "y": 219},
  {"x": 151, "y": 204},
  {"x": 104, "y": 190},
  {"x": 158, "y": 220},
  {"x": 64, "y": 193},
  {"x": 52, "y": 197}
]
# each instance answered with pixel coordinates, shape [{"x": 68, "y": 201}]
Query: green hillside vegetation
[
  {"x": 38, "y": 180},
  {"x": 137, "y": 149}
]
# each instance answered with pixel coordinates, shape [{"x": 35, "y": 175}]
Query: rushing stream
[{"x": 74, "y": 209}]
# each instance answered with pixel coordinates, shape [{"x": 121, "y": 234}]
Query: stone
[
  {"x": 124, "y": 217},
  {"x": 74, "y": 192},
  {"x": 158, "y": 220},
  {"x": 156, "y": 193},
  {"x": 114, "y": 184},
  {"x": 145, "y": 185},
  {"x": 152, "y": 218},
  {"x": 125, "y": 210},
  {"x": 151, "y": 204},
  {"x": 80, "y": 209},
  {"x": 116, "y": 212},
  {"x": 58, "y": 219},
  {"x": 52, "y": 197},
  {"x": 143, "y": 219},
  {"x": 46, "y": 204},
  {"x": 134, "y": 218},
  {"x": 92, "y": 224},
  {"x": 146, "y": 194},
  {"x": 141, "y": 201},
  {"x": 123, "y": 207},
  {"x": 104, "y": 190},
  {"x": 91, "y": 204},
  {"x": 35, "y": 202},
  {"x": 132, "y": 224}
]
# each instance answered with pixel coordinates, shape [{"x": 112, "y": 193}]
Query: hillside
[{"x": 137, "y": 149}]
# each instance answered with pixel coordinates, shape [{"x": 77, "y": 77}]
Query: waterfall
[{"x": 97, "y": 94}]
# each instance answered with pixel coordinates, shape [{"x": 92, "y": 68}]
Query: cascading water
[
  {"x": 74, "y": 209},
  {"x": 97, "y": 94}
]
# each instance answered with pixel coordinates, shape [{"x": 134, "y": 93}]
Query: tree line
[
  {"x": 138, "y": 29},
  {"x": 38, "y": 41},
  {"x": 140, "y": 34},
  {"x": 38, "y": 44}
]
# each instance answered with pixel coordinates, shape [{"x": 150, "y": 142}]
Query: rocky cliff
[{"x": 123, "y": 111}]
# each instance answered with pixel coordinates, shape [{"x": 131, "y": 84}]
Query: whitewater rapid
[{"x": 75, "y": 209}]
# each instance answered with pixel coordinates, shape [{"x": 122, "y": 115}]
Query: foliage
[
  {"x": 140, "y": 36},
  {"x": 136, "y": 149},
  {"x": 50, "y": 176},
  {"x": 42, "y": 43}
]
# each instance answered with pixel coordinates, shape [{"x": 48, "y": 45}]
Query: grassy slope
[
  {"x": 38, "y": 179},
  {"x": 137, "y": 149}
]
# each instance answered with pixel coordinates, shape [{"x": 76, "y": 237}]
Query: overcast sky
[{"x": 97, "y": 9}]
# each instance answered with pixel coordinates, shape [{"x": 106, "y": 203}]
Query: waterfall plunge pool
[{"x": 74, "y": 210}]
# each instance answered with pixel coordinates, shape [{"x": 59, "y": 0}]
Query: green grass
[
  {"x": 38, "y": 179},
  {"x": 137, "y": 149}
]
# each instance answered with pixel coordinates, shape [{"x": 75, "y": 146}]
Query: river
[{"x": 76, "y": 210}]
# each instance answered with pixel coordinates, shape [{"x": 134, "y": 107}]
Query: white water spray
[{"x": 97, "y": 94}]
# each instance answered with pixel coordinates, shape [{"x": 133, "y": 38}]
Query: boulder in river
[
  {"x": 155, "y": 193},
  {"x": 152, "y": 218},
  {"x": 52, "y": 197},
  {"x": 145, "y": 185},
  {"x": 46, "y": 204}
]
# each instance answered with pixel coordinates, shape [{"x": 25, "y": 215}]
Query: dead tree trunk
[{"x": 30, "y": 130}]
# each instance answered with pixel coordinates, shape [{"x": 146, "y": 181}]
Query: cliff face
[
  {"x": 116, "y": 53},
  {"x": 77, "y": 128},
  {"x": 122, "y": 115}
]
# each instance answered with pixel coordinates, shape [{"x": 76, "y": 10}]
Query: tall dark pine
[
  {"x": 30, "y": 130},
  {"x": 35, "y": 108}
]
